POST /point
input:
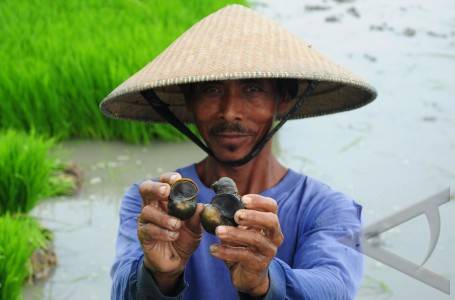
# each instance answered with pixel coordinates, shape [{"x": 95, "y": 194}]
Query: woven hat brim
[{"x": 329, "y": 97}]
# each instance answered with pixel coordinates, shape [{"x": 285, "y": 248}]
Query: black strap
[{"x": 163, "y": 110}]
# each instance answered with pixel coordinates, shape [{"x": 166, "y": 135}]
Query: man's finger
[
  {"x": 232, "y": 244},
  {"x": 194, "y": 223},
  {"x": 151, "y": 232},
  {"x": 258, "y": 219},
  {"x": 156, "y": 216},
  {"x": 170, "y": 177},
  {"x": 251, "y": 239},
  {"x": 244, "y": 256},
  {"x": 261, "y": 203},
  {"x": 153, "y": 193}
]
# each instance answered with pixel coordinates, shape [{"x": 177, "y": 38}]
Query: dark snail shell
[
  {"x": 223, "y": 206},
  {"x": 183, "y": 199},
  {"x": 225, "y": 185}
]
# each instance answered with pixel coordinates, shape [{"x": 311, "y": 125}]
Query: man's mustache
[{"x": 229, "y": 127}]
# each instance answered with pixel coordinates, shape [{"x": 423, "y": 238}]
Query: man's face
[{"x": 232, "y": 115}]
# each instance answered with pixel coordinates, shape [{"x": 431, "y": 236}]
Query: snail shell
[
  {"x": 223, "y": 206},
  {"x": 183, "y": 199},
  {"x": 225, "y": 185}
]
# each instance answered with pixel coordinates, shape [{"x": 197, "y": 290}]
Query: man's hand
[
  {"x": 249, "y": 248},
  {"x": 167, "y": 242}
]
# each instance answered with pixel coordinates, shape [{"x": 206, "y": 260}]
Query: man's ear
[
  {"x": 188, "y": 105},
  {"x": 185, "y": 90}
]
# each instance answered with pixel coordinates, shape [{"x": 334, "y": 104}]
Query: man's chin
[
  {"x": 230, "y": 156},
  {"x": 227, "y": 150}
]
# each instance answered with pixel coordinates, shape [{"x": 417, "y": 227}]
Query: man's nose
[{"x": 232, "y": 106}]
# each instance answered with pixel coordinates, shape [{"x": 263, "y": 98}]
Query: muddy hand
[
  {"x": 249, "y": 248},
  {"x": 167, "y": 242}
]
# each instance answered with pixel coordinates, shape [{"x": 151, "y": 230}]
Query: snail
[
  {"x": 223, "y": 206},
  {"x": 183, "y": 199}
]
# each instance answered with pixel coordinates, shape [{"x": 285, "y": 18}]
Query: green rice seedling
[
  {"x": 19, "y": 237},
  {"x": 60, "y": 58},
  {"x": 26, "y": 171}
]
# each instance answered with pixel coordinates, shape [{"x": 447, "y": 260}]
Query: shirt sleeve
[
  {"x": 148, "y": 289},
  {"x": 130, "y": 279},
  {"x": 328, "y": 263}
]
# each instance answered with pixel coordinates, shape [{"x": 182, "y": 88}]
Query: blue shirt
[{"x": 318, "y": 259}]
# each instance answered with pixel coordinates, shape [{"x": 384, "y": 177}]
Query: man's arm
[
  {"x": 128, "y": 253},
  {"x": 325, "y": 262},
  {"x": 130, "y": 278},
  {"x": 328, "y": 263}
]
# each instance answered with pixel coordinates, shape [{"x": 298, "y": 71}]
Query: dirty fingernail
[
  {"x": 162, "y": 190},
  {"x": 214, "y": 248},
  {"x": 173, "y": 223},
  {"x": 172, "y": 234},
  {"x": 220, "y": 229},
  {"x": 240, "y": 215},
  {"x": 246, "y": 200}
]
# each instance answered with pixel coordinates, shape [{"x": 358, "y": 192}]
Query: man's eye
[
  {"x": 211, "y": 89},
  {"x": 253, "y": 88}
]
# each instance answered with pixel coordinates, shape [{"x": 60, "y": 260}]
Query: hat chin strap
[{"x": 163, "y": 110}]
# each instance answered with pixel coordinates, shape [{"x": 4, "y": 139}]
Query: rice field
[
  {"x": 59, "y": 59},
  {"x": 63, "y": 57},
  {"x": 27, "y": 172},
  {"x": 19, "y": 237}
]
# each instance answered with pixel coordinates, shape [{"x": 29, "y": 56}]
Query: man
[{"x": 235, "y": 74}]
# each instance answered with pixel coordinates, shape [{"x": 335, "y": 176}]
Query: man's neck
[{"x": 261, "y": 173}]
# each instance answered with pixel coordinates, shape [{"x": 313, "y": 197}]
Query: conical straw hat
[{"x": 235, "y": 42}]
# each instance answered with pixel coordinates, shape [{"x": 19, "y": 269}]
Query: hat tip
[{"x": 236, "y": 6}]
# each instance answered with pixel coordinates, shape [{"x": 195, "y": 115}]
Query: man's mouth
[
  {"x": 231, "y": 134},
  {"x": 231, "y": 138}
]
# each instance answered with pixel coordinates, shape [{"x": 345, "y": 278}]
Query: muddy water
[
  {"x": 399, "y": 149},
  {"x": 387, "y": 155},
  {"x": 85, "y": 226}
]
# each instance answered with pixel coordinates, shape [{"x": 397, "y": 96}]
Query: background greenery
[
  {"x": 27, "y": 172},
  {"x": 19, "y": 237},
  {"x": 60, "y": 58}
]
